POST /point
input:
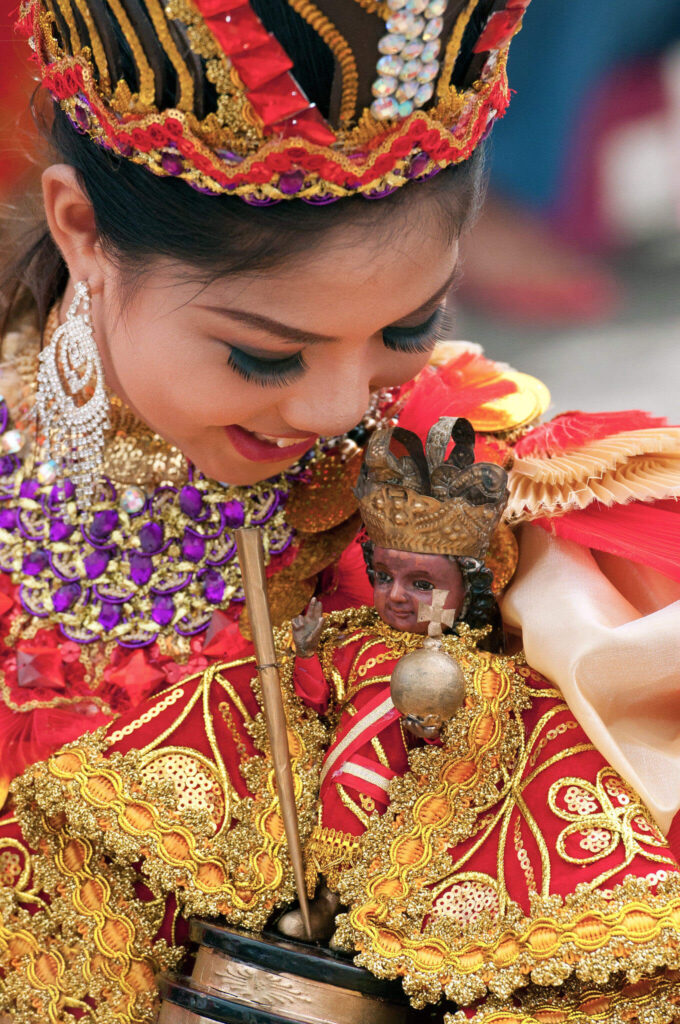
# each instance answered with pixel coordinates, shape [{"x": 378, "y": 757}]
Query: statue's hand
[{"x": 307, "y": 629}]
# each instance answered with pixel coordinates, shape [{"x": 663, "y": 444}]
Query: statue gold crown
[{"x": 428, "y": 503}]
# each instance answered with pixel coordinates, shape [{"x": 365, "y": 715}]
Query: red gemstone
[
  {"x": 238, "y": 31},
  {"x": 279, "y": 99},
  {"x": 260, "y": 65},
  {"x": 309, "y": 125},
  {"x": 40, "y": 668}
]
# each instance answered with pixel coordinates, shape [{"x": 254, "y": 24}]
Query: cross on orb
[{"x": 435, "y": 614}]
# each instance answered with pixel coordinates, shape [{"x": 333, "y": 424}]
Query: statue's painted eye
[{"x": 423, "y": 585}]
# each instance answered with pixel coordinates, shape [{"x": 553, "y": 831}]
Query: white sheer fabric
[{"x": 607, "y": 633}]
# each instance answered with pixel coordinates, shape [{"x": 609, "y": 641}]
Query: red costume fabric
[{"x": 119, "y": 838}]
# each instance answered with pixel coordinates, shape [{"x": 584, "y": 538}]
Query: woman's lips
[{"x": 260, "y": 448}]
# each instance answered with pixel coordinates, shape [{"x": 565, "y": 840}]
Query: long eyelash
[
  {"x": 420, "y": 338},
  {"x": 266, "y": 372}
]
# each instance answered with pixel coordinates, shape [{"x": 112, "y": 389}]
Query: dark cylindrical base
[{"x": 239, "y": 978}]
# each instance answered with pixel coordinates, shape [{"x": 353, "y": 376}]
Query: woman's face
[{"x": 245, "y": 374}]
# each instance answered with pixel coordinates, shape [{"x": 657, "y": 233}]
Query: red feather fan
[
  {"x": 458, "y": 388},
  {"x": 573, "y": 429},
  {"x": 644, "y": 533}
]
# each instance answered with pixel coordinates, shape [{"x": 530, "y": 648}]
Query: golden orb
[{"x": 428, "y": 684}]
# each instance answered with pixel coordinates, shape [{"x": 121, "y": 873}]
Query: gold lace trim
[
  {"x": 341, "y": 50},
  {"x": 404, "y": 855},
  {"x": 653, "y": 1000},
  {"x": 91, "y": 816}
]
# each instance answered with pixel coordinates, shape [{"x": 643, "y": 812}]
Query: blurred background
[{"x": 572, "y": 271}]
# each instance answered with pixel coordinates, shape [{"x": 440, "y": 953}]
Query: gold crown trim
[{"x": 241, "y": 149}]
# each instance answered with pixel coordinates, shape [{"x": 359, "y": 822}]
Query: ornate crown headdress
[
  {"x": 426, "y": 502},
  {"x": 401, "y": 106}
]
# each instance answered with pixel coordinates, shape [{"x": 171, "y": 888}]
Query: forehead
[
  {"x": 350, "y": 282},
  {"x": 408, "y": 562}
]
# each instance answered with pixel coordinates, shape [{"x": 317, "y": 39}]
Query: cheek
[
  {"x": 392, "y": 368},
  {"x": 177, "y": 384},
  {"x": 417, "y": 597},
  {"x": 456, "y": 595}
]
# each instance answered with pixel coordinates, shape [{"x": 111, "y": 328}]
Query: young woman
[{"x": 251, "y": 227}]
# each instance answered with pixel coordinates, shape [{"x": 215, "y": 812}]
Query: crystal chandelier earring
[{"x": 71, "y": 402}]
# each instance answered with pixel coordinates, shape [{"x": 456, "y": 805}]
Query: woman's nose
[{"x": 329, "y": 401}]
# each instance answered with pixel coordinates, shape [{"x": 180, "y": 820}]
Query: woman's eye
[
  {"x": 423, "y": 585},
  {"x": 415, "y": 339},
  {"x": 266, "y": 372},
  {"x": 383, "y": 577}
]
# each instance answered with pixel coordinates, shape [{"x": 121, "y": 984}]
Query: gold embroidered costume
[{"x": 508, "y": 860}]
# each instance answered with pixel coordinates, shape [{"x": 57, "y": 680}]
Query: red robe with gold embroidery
[{"x": 526, "y": 852}]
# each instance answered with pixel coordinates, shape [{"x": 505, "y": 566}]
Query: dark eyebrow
[
  {"x": 297, "y": 336},
  {"x": 285, "y": 331}
]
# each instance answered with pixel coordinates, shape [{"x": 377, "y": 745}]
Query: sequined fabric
[{"x": 512, "y": 868}]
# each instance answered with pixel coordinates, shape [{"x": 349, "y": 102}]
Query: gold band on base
[{"x": 302, "y": 1000}]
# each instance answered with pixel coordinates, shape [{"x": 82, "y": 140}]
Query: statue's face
[{"x": 404, "y": 580}]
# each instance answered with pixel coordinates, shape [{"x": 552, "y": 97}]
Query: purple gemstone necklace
[
  {"x": 139, "y": 564},
  {"x": 135, "y": 565}
]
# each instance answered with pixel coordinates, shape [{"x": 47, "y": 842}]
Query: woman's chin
[{"x": 239, "y": 472}]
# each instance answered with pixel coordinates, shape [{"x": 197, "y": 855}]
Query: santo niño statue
[{"x": 459, "y": 831}]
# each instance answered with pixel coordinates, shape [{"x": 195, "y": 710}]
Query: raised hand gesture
[{"x": 307, "y": 629}]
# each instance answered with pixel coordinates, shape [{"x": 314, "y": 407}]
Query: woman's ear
[{"x": 71, "y": 221}]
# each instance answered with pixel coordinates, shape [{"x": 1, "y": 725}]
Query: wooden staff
[{"x": 251, "y": 558}]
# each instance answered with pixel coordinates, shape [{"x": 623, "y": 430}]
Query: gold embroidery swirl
[
  {"x": 407, "y": 861},
  {"x": 91, "y": 816}
]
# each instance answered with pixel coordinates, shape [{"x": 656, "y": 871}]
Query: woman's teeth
[{"x": 280, "y": 442}]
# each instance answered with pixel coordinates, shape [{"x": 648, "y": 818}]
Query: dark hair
[
  {"x": 140, "y": 216},
  {"x": 480, "y": 608}
]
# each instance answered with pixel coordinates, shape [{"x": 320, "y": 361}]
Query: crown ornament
[
  {"x": 426, "y": 501},
  {"x": 401, "y": 107}
]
